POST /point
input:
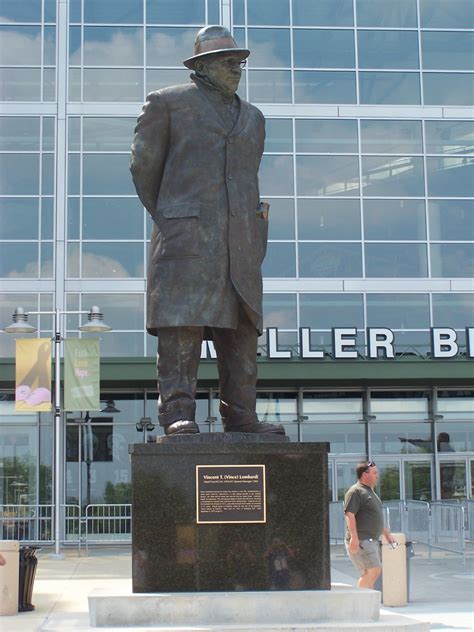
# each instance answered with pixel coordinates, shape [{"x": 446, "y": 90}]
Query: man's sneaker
[
  {"x": 259, "y": 427},
  {"x": 182, "y": 427}
]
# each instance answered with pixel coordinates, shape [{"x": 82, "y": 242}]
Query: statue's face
[{"x": 223, "y": 71}]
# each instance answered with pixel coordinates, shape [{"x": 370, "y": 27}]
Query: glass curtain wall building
[{"x": 368, "y": 168}]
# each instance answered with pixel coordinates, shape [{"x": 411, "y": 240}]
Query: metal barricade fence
[
  {"x": 336, "y": 522},
  {"x": 417, "y": 523},
  {"x": 27, "y": 523},
  {"x": 468, "y": 519},
  {"x": 393, "y": 514},
  {"x": 108, "y": 524},
  {"x": 447, "y": 522}
]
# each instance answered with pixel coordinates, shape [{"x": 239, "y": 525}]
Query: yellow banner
[{"x": 33, "y": 375}]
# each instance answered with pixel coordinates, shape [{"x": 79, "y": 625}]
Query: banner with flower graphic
[
  {"x": 81, "y": 375},
  {"x": 33, "y": 375}
]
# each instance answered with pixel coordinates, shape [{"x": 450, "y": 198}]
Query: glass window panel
[
  {"x": 74, "y": 134},
  {"x": 325, "y": 311},
  {"x": 48, "y": 133},
  {"x": 169, "y": 46},
  {"x": 441, "y": 88},
  {"x": 107, "y": 174},
  {"x": 47, "y": 260},
  {"x": 418, "y": 481},
  {"x": 278, "y": 135},
  {"x": 20, "y": 174},
  {"x": 330, "y": 260},
  {"x": 19, "y": 260},
  {"x": 21, "y": 45},
  {"x": 73, "y": 174},
  {"x": 395, "y": 88},
  {"x": 388, "y": 485},
  {"x": 329, "y": 219},
  {"x": 391, "y": 137},
  {"x": 280, "y": 261},
  {"x": 324, "y": 87},
  {"x": 47, "y": 174},
  {"x": 400, "y": 14},
  {"x": 121, "y": 311},
  {"x": 322, "y": 13},
  {"x": 447, "y": 51},
  {"x": 50, "y": 10},
  {"x": 75, "y": 84},
  {"x": 343, "y": 438},
  {"x": 451, "y": 220},
  {"x": 49, "y": 46},
  {"x": 279, "y": 310},
  {"x": 445, "y": 14},
  {"x": 326, "y": 136},
  {"x": 20, "y": 133},
  {"x": 111, "y": 46},
  {"x": 322, "y": 340},
  {"x": 239, "y": 11},
  {"x": 411, "y": 343},
  {"x": 388, "y": 49},
  {"x": 340, "y": 405},
  {"x": 453, "y": 310},
  {"x": 120, "y": 344},
  {"x": 268, "y": 12},
  {"x": 276, "y": 175},
  {"x": 395, "y": 260},
  {"x": 157, "y": 79},
  {"x": 452, "y": 475},
  {"x": 118, "y": 11},
  {"x": 112, "y": 218},
  {"x": 49, "y": 84},
  {"x": 112, "y": 260},
  {"x": 450, "y": 177},
  {"x": 47, "y": 218},
  {"x": 19, "y": 218},
  {"x": 20, "y": 84},
  {"x": 394, "y": 219},
  {"x": 73, "y": 218},
  {"x": 401, "y": 438},
  {"x": 282, "y": 219},
  {"x": 398, "y": 311},
  {"x": 113, "y": 84},
  {"x": 24, "y": 11},
  {"x": 327, "y": 175},
  {"x": 75, "y": 45},
  {"x": 401, "y": 177},
  {"x": 269, "y": 86},
  {"x": 449, "y": 137},
  {"x": 213, "y": 11},
  {"x": 102, "y": 134},
  {"x": 323, "y": 49},
  {"x": 269, "y": 47},
  {"x": 452, "y": 260},
  {"x": 72, "y": 264},
  {"x": 458, "y": 404},
  {"x": 175, "y": 12}
]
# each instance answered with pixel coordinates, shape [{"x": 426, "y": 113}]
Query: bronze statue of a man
[{"x": 195, "y": 159}]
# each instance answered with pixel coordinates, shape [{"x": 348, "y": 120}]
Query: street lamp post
[{"x": 20, "y": 325}]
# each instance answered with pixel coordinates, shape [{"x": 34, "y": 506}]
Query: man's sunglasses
[{"x": 369, "y": 464}]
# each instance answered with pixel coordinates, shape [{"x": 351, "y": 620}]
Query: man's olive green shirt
[{"x": 366, "y": 506}]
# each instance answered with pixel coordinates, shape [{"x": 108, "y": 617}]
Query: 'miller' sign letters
[{"x": 380, "y": 344}]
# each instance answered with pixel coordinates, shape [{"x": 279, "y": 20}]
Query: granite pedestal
[{"x": 172, "y": 552}]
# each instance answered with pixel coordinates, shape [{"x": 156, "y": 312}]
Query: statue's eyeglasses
[{"x": 232, "y": 63}]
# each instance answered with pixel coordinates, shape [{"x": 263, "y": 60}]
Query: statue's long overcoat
[{"x": 196, "y": 175}]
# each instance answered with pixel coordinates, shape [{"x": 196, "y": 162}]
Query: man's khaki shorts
[{"x": 367, "y": 556}]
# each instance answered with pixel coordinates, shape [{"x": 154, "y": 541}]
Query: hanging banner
[
  {"x": 81, "y": 375},
  {"x": 33, "y": 375}
]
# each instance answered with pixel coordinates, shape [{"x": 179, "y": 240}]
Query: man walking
[
  {"x": 195, "y": 160},
  {"x": 364, "y": 522}
]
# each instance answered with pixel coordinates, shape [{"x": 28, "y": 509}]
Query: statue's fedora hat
[{"x": 214, "y": 40}]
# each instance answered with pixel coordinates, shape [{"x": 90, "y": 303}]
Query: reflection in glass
[
  {"x": 449, "y": 137},
  {"x": 452, "y": 478},
  {"x": 383, "y": 176},
  {"x": 451, "y": 220},
  {"x": 47, "y": 217},
  {"x": 238, "y": 7},
  {"x": 25, "y": 11},
  {"x": 20, "y": 174},
  {"x": 442, "y": 88},
  {"x": 106, "y": 174},
  {"x": 313, "y": 86},
  {"x": 322, "y": 13},
  {"x": 452, "y": 260},
  {"x": 391, "y": 137},
  {"x": 454, "y": 308},
  {"x": 388, "y": 49},
  {"x": 457, "y": 436},
  {"x": 326, "y": 136},
  {"x": 47, "y": 260},
  {"x": 278, "y": 135},
  {"x": 112, "y": 218},
  {"x": 19, "y": 218},
  {"x": 325, "y": 311},
  {"x": 343, "y": 438},
  {"x": 72, "y": 261},
  {"x": 270, "y": 47},
  {"x": 48, "y": 133},
  {"x": 401, "y": 438},
  {"x": 388, "y": 486},
  {"x": 418, "y": 481},
  {"x": 386, "y": 13},
  {"x": 75, "y": 84},
  {"x": 279, "y": 310},
  {"x": 395, "y": 260},
  {"x": 111, "y": 46},
  {"x": 330, "y": 260},
  {"x": 124, "y": 310},
  {"x": 157, "y": 79},
  {"x": 327, "y": 175},
  {"x": 113, "y": 84},
  {"x": 346, "y": 476},
  {"x": 394, "y": 88},
  {"x": 398, "y": 311},
  {"x": 21, "y": 45},
  {"x": 450, "y": 177},
  {"x": 447, "y": 51},
  {"x": 175, "y": 12},
  {"x": 323, "y": 49},
  {"x": 268, "y": 12},
  {"x": 118, "y": 11},
  {"x": 275, "y": 407},
  {"x": 276, "y": 175},
  {"x": 329, "y": 219},
  {"x": 19, "y": 133},
  {"x": 169, "y": 46},
  {"x": 20, "y": 84},
  {"x": 269, "y": 86},
  {"x": 282, "y": 219},
  {"x": 112, "y": 260},
  {"x": 19, "y": 260},
  {"x": 47, "y": 174},
  {"x": 49, "y": 84},
  {"x": 73, "y": 174},
  {"x": 73, "y": 218},
  {"x": 49, "y": 46},
  {"x": 102, "y": 134},
  {"x": 394, "y": 219},
  {"x": 445, "y": 15},
  {"x": 280, "y": 260}
]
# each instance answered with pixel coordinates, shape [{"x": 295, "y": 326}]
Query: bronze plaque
[{"x": 230, "y": 493}]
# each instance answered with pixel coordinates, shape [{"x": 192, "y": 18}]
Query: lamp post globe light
[{"x": 20, "y": 325}]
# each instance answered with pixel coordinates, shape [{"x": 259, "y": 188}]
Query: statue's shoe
[
  {"x": 182, "y": 427},
  {"x": 257, "y": 427}
]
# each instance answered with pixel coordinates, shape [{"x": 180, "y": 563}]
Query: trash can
[
  {"x": 394, "y": 581},
  {"x": 9, "y": 577},
  {"x": 28, "y": 564}
]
